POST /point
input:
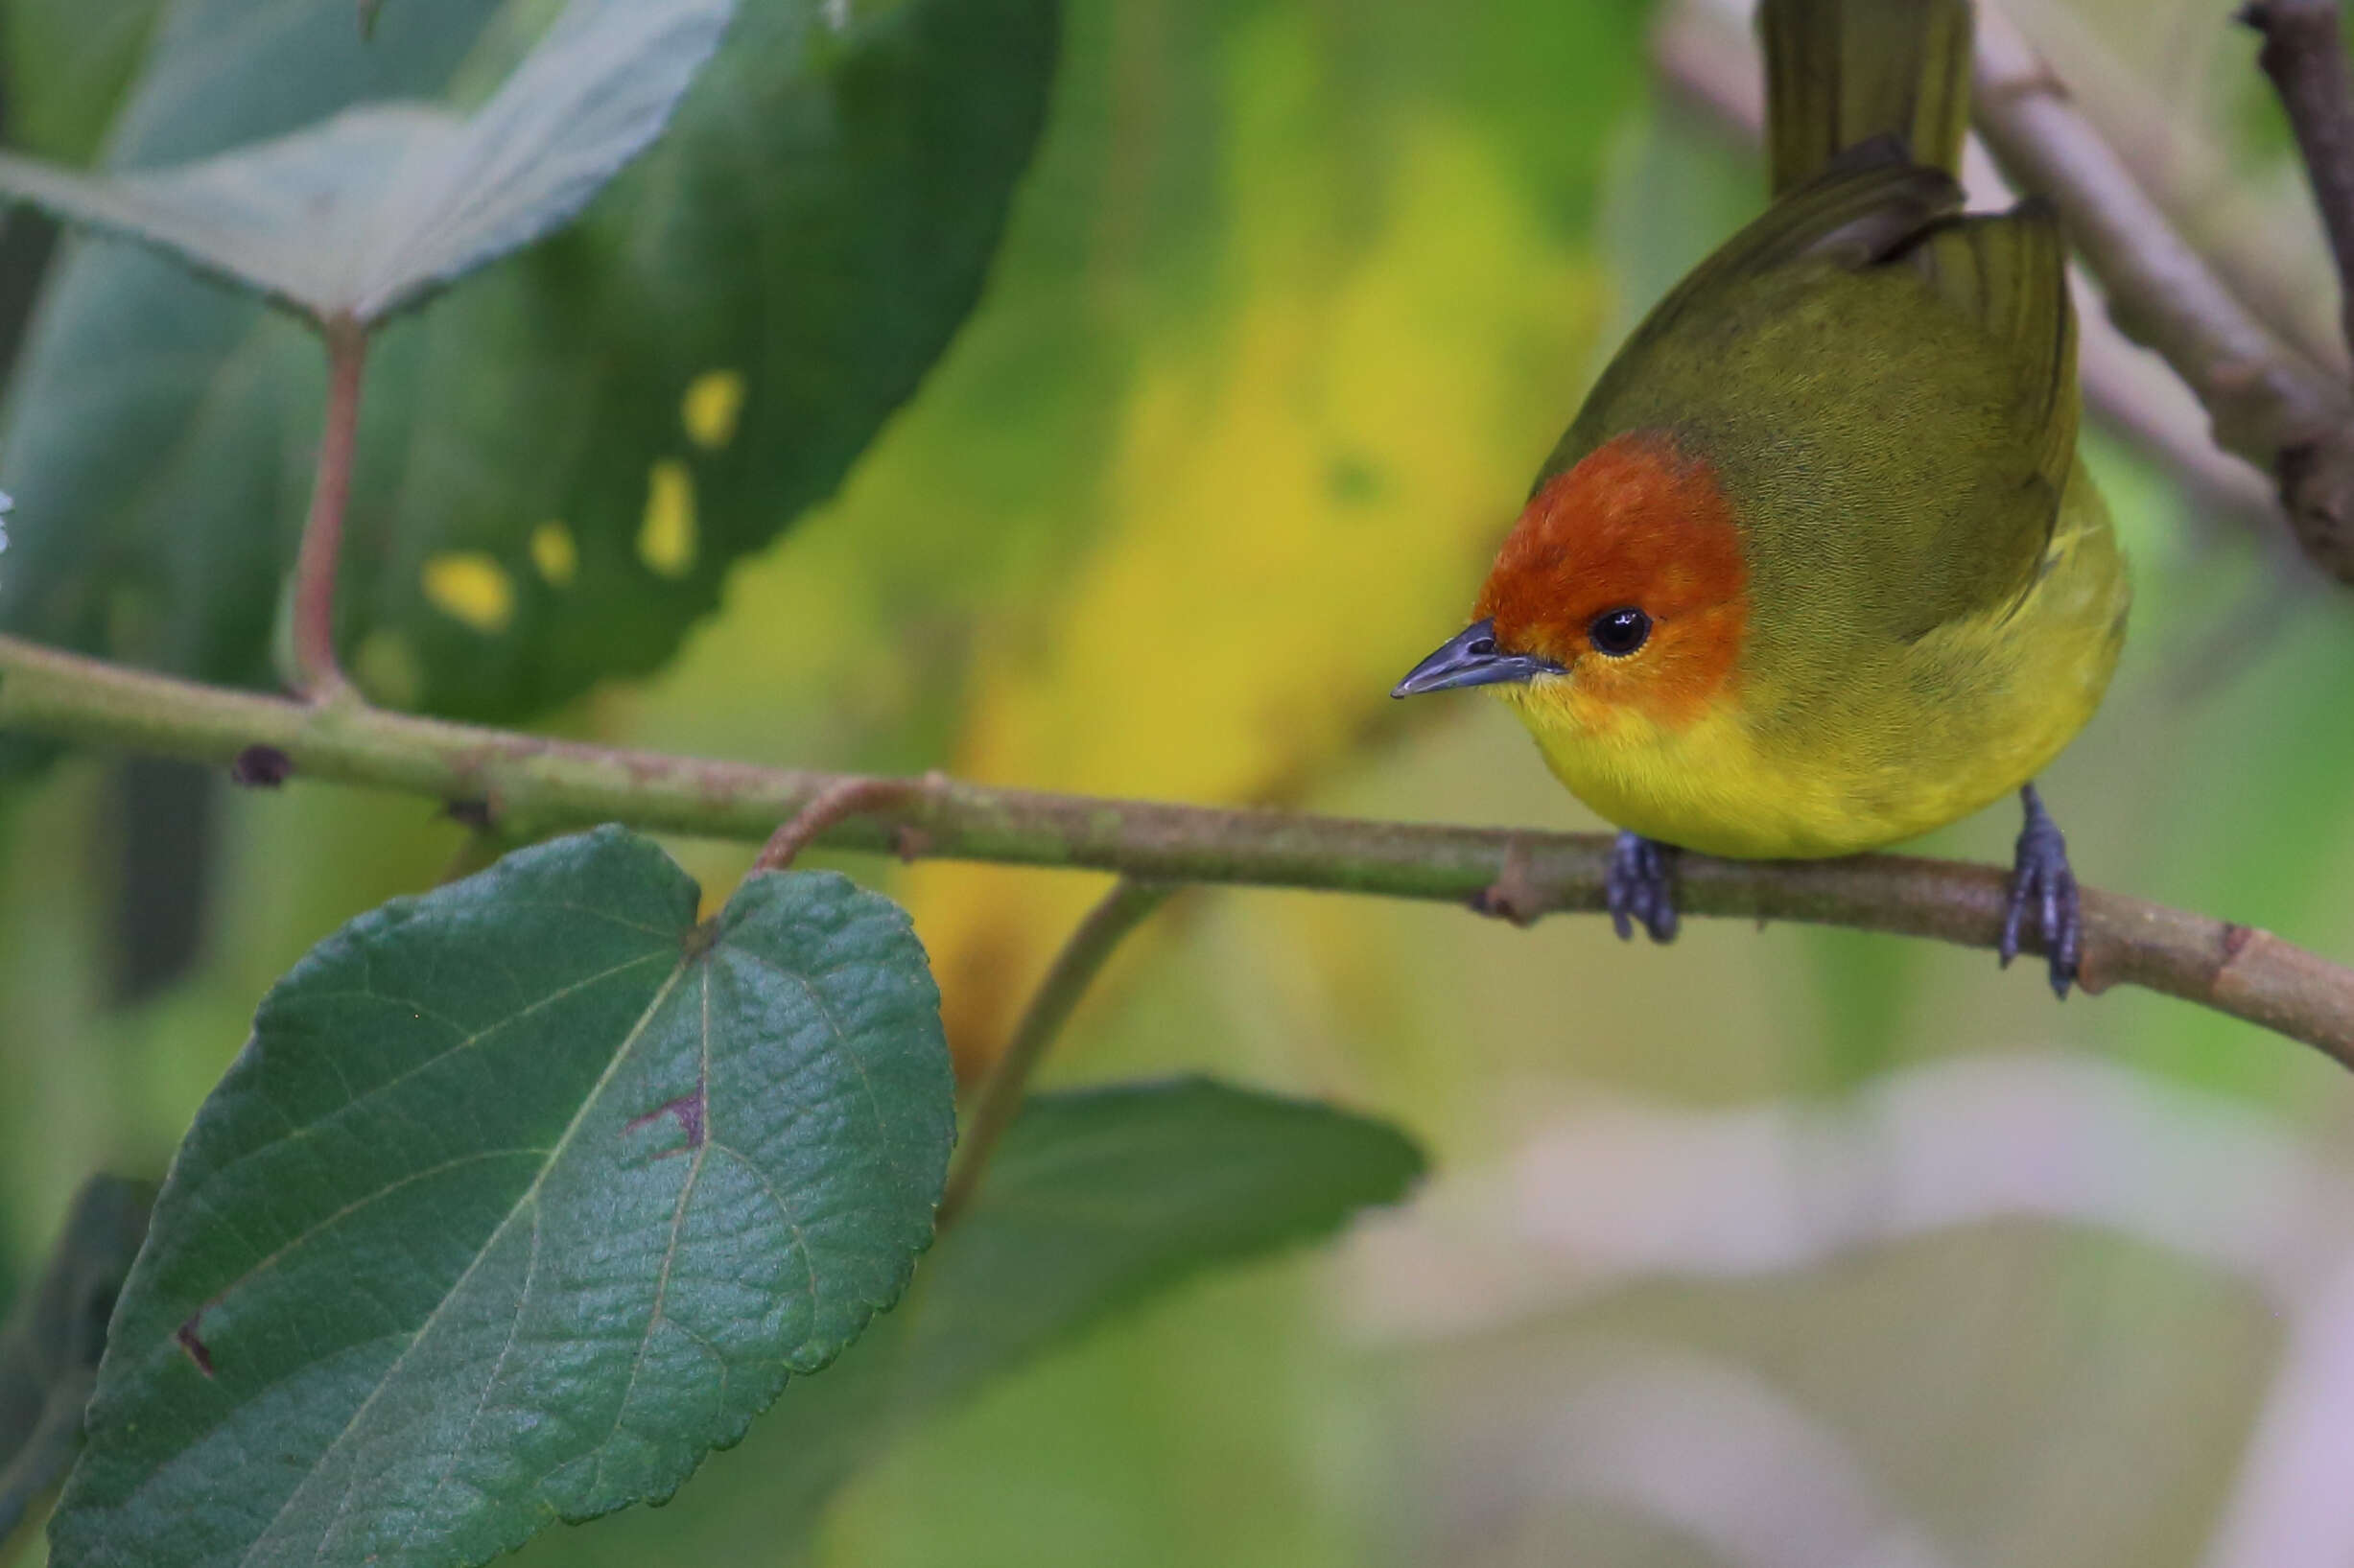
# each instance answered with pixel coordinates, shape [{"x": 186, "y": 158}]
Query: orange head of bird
[{"x": 1620, "y": 590}]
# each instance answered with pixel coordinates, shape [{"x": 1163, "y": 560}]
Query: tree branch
[
  {"x": 2269, "y": 403},
  {"x": 2305, "y": 56},
  {"x": 532, "y": 784},
  {"x": 317, "y": 672}
]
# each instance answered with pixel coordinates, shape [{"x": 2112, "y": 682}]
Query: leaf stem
[
  {"x": 999, "y": 1097},
  {"x": 837, "y": 802},
  {"x": 538, "y": 785},
  {"x": 317, "y": 674}
]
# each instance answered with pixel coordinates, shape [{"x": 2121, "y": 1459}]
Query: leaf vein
[{"x": 528, "y": 1199}]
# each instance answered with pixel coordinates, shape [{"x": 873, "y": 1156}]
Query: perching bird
[{"x": 1817, "y": 568}]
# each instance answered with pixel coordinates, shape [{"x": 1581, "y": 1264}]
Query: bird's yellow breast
[{"x": 1903, "y": 739}]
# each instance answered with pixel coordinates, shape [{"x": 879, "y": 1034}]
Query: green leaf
[
  {"x": 1098, "y": 1200},
  {"x": 378, "y": 206},
  {"x": 526, "y": 1194},
  {"x": 559, "y": 462},
  {"x": 50, "y": 1347}
]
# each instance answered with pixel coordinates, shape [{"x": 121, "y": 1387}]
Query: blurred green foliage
[
  {"x": 1294, "y": 298},
  {"x": 53, "y": 1336}
]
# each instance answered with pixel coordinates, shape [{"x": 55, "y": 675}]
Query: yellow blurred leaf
[{"x": 1300, "y": 505}]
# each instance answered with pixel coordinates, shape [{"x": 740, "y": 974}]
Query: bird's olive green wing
[
  {"x": 1841, "y": 72},
  {"x": 2013, "y": 410},
  {"x": 2010, "y": 275}
]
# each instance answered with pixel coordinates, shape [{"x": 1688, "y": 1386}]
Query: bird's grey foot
[
  {"x": 2041, "y": 880},
  {"x": 1641, "y": 886}
]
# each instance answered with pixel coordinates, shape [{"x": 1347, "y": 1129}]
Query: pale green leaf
[{"x": 384, "y": 202}]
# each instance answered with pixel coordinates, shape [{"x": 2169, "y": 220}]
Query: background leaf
[
  {"x": 526, "y": 1194},
  {"x": 559, "y": 462},
  {"x": 1327, "y": 461},
  {"x": 50, "y": 1343},
  {"x": 1098, "y": 1200},
  {"x": 364, "y": 214},
  {"x": 70, "y": 61}
]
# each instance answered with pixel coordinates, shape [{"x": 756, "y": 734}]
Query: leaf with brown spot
[{"x": 523, "y": 1197}]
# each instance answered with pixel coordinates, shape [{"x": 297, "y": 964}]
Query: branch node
[
  {"x": 1512, "y": 895},
  {"x": 261, "y": 767},
  {"x": 475, "y": 811}
]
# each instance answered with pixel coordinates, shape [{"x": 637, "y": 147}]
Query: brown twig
[
  {"x": 318, "y": 673},
  {"x": 543, "y": 784},
  {"x": 999, "y": 1097},
  {"x": 2269, "y": 402},
  {"x": 2305, "y": 56},
  {"x": 847, "y": 799}
]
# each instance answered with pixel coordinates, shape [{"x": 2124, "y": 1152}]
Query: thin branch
[
  {"x": 317, "y": 672},
  {"x": 542, "y": 784},
  {"x": 2305, "y": 56},
  {"x": 2269, "y": 402},
  {"x": 999, "y": 1098}
]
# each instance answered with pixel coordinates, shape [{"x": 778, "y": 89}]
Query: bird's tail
[{"x": 1840, "y": 72}]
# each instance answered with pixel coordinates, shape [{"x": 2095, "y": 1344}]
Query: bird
[{"x": 1817, "y": 568}]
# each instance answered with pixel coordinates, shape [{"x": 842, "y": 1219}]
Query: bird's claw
[
  {"x": 1641, "y": 886},
  {"x": 2040, "y": 878}
]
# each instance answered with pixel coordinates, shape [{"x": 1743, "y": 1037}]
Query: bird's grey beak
[{"x": 1472, "y": 658}]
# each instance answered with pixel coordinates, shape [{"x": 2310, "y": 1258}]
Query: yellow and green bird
[{"x": 1817, "y": 568}]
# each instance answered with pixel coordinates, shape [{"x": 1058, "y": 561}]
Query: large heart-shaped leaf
[
  {"x": 367, "y": 212},
  {"x": 1098, "y": 1200},
  {"x": 561, "y": 459},
  {"x": 525, "y": 1195}
]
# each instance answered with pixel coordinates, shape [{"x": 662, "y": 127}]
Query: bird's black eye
[{"x": 1618, "y": 632}]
